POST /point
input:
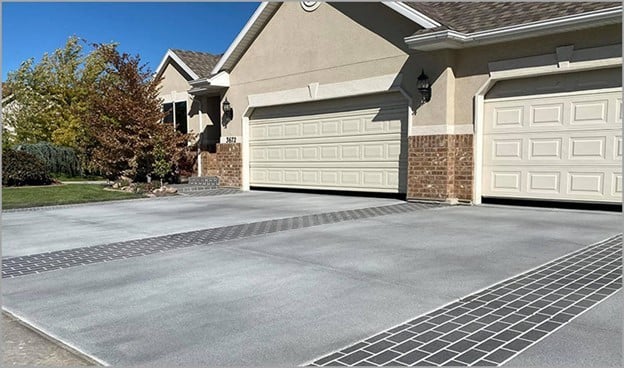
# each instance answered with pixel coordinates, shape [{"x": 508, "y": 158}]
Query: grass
[{"x": 23, "y": 197}]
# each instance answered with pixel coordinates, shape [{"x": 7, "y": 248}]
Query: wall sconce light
[
  {"x": 228, "y": 113},
  {"x": 424, "y": 86}
]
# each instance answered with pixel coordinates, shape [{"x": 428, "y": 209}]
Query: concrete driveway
[{"x": 290, "y": 296}]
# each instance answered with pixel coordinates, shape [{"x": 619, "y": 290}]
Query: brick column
[
  {"x": 440, "y": 167},
  {"x": 226, "y": 164},
  {"x": 230, "y": 162}
]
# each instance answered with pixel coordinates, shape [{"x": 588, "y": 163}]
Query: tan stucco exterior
[
  {"x": 342, "y": 42},
  {"x": 335, "y": 43}
]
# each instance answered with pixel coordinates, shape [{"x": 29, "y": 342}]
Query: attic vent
[{"x": 310, "y": 6}]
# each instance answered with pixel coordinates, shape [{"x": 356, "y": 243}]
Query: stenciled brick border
[
  {"x": 493, "y": 325},
  {"x": 55, "y": 260},
  {"x": 440, "y": 167}
]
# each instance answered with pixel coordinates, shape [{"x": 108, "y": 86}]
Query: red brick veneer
[
  {"x": 440, "y": 167},
  {"x": 226, "y": 164}
]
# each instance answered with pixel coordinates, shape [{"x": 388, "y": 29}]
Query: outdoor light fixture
[
  {"x": 228, "y": 113},
  {"x": 424, "y": 86}
]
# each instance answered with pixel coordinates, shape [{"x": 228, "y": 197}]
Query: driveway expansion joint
[
  {"x": 495, "y": 324},
  {"x": 56, "y": 260}
]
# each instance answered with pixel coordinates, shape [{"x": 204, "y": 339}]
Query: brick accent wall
[
  {"x": 226, "y": 164},
  {"x": 440, "y": 167}
]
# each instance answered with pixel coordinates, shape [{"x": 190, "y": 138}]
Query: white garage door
[
  {"x": 347, "y": 144},
  {"x": 564, "y": 146}
]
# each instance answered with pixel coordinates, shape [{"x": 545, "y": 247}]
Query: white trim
[
  {"x": 310, "y": 6},
  {"x": 412, "y": 14},
  {"x": 384, "y": 83},
  {"x": 442, "y": 129},
  {"x": 201, "y": 129},
  {"x": 246, "y": 172},
  {"x": 176, "y": 58},
  {"x": 239, "y": 38},
  {"x": 524, "y": 67},
  {"x": 410, "y": 111},
  {"x": 455, "y": 39}
]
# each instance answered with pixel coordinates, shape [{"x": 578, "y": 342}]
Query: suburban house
[
  {"x": 433, "y": 100},
  {"x": 187, "y": 112}
]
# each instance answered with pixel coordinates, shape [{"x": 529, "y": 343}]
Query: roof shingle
[
  {"x": 468, "y": 17},
  {"x": 201, "y": 63}
]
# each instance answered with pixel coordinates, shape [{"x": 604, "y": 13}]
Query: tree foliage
[
  {"x": 104, "y": 104},
  {"x": 23, "y": 168},
  {"x": 49, "y": 97},
  {"x": 58, "y": 159},
  {"x": 125, "y": 119}
]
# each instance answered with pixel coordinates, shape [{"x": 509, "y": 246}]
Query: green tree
[
  {"x": 49, "y": 97},
  {"x": 124, "y": 116}
]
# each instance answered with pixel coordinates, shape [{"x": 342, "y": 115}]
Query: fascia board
[
  {"x": 454, "y": 39},
  {"x": 412, "y": 14},
  {"x": 176, "y": 58}
]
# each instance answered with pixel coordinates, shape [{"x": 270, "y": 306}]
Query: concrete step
[
  {"x": 210, "y": 181},
  {"x": 186, "y": 188}
]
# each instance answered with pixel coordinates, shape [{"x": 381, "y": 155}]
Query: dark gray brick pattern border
[
  {"x": 491, "y": 326},
  {"x": 43, "y": 262}
]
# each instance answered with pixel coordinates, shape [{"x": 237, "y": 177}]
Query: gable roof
[
  {"x": 199, "y": 62},
  {"x": 457, "y": 21},
  {"x": 195, "y": 64},
  {"x": 469, "y": 17}
]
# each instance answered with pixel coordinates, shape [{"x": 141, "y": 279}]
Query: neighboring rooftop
[
  {"x": 468, "y": 17},
  {"x": 201, "y": 63}
]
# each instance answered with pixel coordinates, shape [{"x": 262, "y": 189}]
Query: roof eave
[
  {"x": 412, "y": 14},
  {"x": 215, "y": 83},
  {"x": 172, "y": 55},
  {"x": 455, "y": 40}
]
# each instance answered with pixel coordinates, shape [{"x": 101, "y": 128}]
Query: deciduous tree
[{"x": 124, "y": 116}]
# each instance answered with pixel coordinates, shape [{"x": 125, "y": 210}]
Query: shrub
[
  {"x": 58, "y": 159},
  {"x": 23, "y": 168}
]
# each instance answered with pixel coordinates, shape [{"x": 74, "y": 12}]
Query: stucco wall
[
  {"x": 342, "y": 42},
  {"x": 471, "y": 65},
  {"x": 335, "y": 43}
]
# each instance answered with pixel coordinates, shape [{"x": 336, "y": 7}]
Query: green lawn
[{"x": 22, "y": 197}]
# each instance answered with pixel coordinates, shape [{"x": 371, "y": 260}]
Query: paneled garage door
[
  {"x": 564, "y": 146},
  {"x": 348, "y": 144}
]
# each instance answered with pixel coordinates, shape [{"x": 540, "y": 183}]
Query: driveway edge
[{"x": 54, "y": 339}]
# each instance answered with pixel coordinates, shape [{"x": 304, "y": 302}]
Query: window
[{"x": 176, "y": 115}]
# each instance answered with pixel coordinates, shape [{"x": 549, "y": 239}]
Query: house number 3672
[{"x": 230, "y": 139}]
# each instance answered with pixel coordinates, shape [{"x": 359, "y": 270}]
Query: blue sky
[{"x": 147, "y": 29}]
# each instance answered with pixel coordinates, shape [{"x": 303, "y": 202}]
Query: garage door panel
[
  {"x": 564, "y": 183},
  {"x": 332, "y": 148},
  {"x": 589, "y": 112},
  {"x": 545, "y": 149},
  {"x": 546, "y": 115},
  {"x": 574, "y": 111},
  {"x": 616, "y": 184},
  {"x": 544, "y": 182},
  {"x": 569, "y": 148},
  {"x": 587, "y": 148},
  {"x": 587, "y": 183}
]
